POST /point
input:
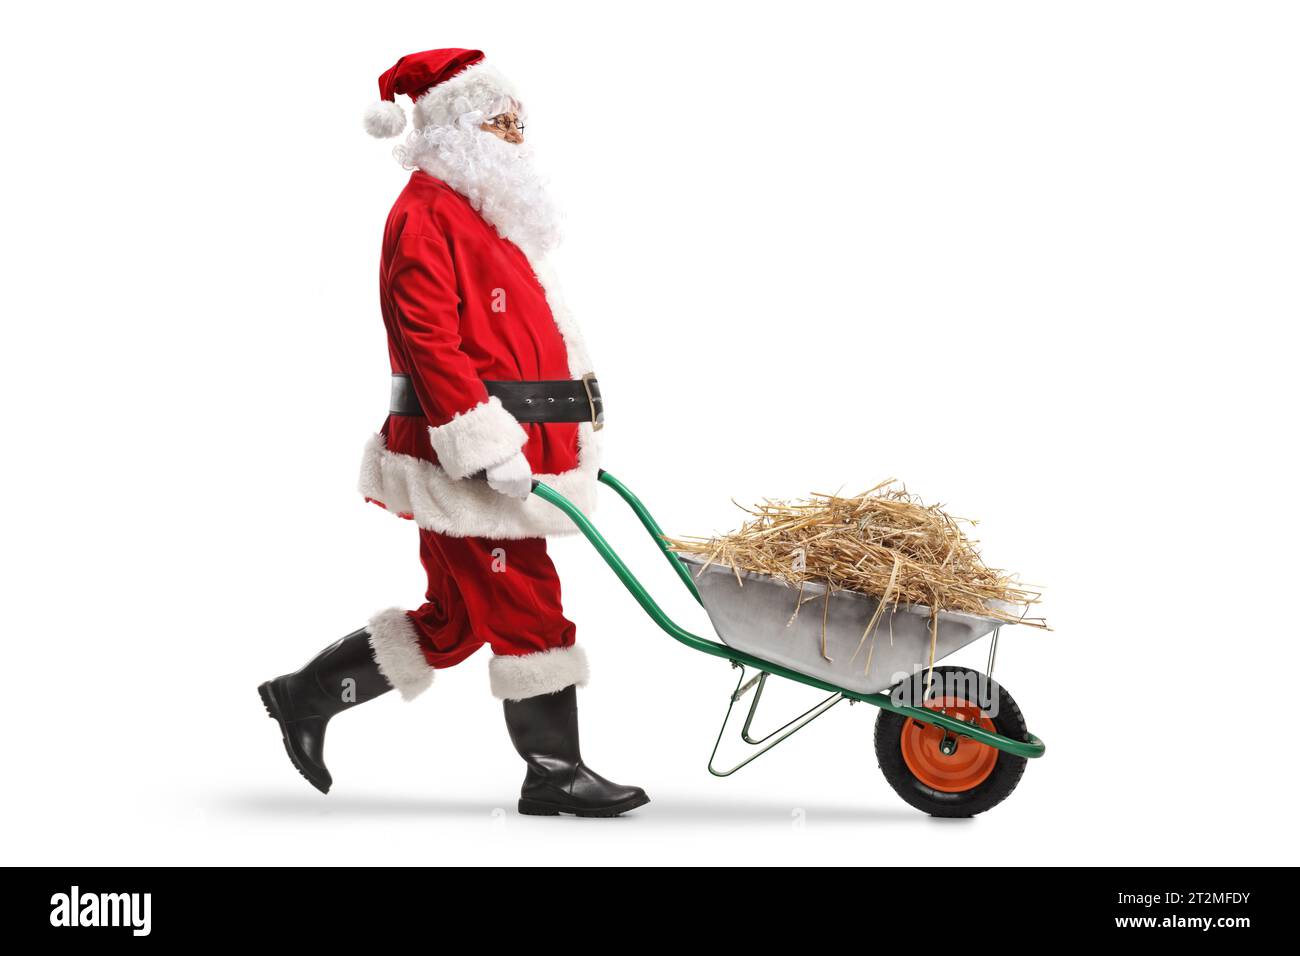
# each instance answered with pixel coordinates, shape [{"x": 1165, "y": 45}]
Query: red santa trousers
[{"x": 504, "y": 593}]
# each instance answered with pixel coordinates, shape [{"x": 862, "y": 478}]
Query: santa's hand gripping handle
[{"x": 512, "y": 477}]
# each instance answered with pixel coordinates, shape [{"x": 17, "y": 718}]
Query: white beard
[{"x": 496, "y": 177}]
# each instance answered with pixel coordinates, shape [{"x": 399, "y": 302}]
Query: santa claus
[{"x": 491, "y": 388}]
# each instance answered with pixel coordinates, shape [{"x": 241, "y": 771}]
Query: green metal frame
[{"x": 1033, "y": 747}]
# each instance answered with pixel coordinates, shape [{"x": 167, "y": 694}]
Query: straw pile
[{"x": 884, "y": 542}]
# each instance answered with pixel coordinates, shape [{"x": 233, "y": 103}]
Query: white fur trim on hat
[
  {"x": 484, "y": 436},
  {"x": 384, "y": 119},
  {"x": 479, "y": 87},
  {"x": 520, "y": 676},
  {"x": 397, "y": 652}
]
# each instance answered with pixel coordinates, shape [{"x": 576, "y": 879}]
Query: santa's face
[
  {"x": 484, "y": 158},
  {"x": 505, "y": 126}
]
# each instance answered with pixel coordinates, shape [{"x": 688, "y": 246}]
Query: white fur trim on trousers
[
  {"x": 520, "y": 676},
  {"x": 397, "y": 652}
]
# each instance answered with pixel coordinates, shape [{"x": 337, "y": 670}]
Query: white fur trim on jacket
[
  {"x": 479, "y": 87},
  {"x": 484, "y": 436},
  {"x": 574, "y": 346},
  {"x": 469, "y": 508},
  {"x": 397, "y": 652},
  {"x": 517, "y": 677}
]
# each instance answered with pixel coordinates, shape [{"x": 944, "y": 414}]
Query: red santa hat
[{"x": 444, "y": 85}]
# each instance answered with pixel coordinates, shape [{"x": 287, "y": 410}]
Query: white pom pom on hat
[
  {"x": 413, "y": 76},
  {"x": 384, "y": 119}
]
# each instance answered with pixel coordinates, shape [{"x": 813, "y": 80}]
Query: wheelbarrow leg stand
[{"x": 763, "y": 744}]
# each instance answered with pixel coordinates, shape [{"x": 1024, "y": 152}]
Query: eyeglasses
[{"x": 506, "y": 122}]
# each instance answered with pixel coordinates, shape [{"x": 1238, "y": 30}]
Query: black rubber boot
[
  {"x": 341, "y": 676},
  {"x": 544, "y": 730}
]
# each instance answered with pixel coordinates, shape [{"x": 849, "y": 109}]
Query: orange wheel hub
[{"x": 966, "y": 767}]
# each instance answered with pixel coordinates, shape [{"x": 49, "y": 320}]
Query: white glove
[{"x": 512, "y": 478}]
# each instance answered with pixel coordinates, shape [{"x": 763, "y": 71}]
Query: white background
[{"x": 1036, "y": 259}]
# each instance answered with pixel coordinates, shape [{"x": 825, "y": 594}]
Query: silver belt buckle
[{"x": 587, "y": 379}]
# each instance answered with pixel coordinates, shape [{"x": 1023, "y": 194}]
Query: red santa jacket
[{"x": 461, "y": 305}]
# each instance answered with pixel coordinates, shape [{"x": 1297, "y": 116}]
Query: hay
[{"x": 884, "y": 542}]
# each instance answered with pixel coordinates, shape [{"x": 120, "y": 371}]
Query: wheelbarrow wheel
[{"x": 938, "y": 772}]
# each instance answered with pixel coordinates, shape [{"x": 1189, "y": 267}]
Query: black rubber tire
[{"x": 1006, "y": 772}]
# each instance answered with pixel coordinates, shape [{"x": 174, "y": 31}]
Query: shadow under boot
[
  {"x": 340, "y": 677},
  {"x": 544, "y": 729}
]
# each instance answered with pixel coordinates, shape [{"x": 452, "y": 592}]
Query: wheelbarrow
[{"x": 949, "y": 740}]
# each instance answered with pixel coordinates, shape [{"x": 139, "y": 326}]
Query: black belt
[{"x": 556, "y": 400}]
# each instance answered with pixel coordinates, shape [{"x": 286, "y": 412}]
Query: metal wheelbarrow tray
[
  {"x": 755, "y": 613},
  {"x": 945, "y": 751}
]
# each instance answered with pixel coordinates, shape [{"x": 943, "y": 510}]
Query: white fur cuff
[
  {"x": 517, "y": 677},
  {"x": 397, "y": 652},
  {"x": 484, "y": 436}
]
